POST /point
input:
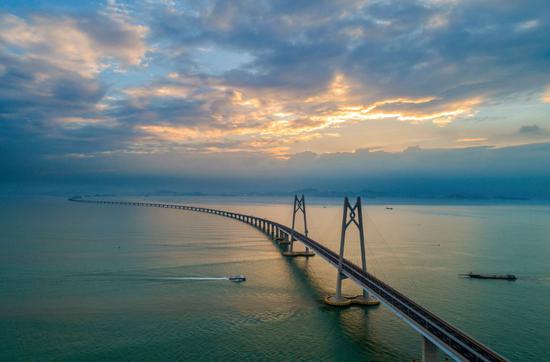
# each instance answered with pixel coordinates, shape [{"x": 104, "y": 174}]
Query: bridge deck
[{"x": 451, "y": 340}]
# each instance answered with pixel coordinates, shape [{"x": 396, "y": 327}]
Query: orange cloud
[
  {"x": 273, "y": 121},
  {"x": 174, "y": 91},
  {"x": 61, "y": 42},
  {"x": 181, "y": 134},
  {"x": 546, "y": 95},
  {"x": 478, "y": 139}
]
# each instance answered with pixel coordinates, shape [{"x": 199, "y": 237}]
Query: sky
[{"x": 415, "y": 97}]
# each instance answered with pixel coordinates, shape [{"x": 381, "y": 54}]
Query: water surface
[{"x": 89, "y": 282}]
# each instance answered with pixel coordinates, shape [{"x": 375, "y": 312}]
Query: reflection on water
[{"x": 95, "y": 282}]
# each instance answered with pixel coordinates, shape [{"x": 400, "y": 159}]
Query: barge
[{"x": 490, "y": 276}]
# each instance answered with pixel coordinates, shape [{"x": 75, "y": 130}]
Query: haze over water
[{"x": 89, "y": 282}]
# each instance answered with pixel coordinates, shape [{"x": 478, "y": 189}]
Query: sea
[{"x": 89, "y": 282}]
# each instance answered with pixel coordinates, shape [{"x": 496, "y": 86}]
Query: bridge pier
[
  {"x": 283, "y": 239},
  {"x": 430, "y": 352},
  {"x": 278, "y": 235},
  {"x": 355, "y": 215},
  {"x": 299, "y": 205}
]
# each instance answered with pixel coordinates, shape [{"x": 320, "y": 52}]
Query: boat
[
  {"x": 389, "y": 208},
  {"x": 237, "y": 278},
  {"x": 490, "y": 276}
]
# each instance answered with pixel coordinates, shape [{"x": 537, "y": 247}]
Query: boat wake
[
  {"x": 188, "y": 278},
  {"x": 233, "y": 278},
  {"x": 136, "y": 276}
]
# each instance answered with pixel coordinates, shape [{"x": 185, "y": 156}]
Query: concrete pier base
[
  {"x": 304, "y": 253},
  {"x": 336, "y": 301},
  {"x": 362, "y": 300},
  {"x": 430, "y": 352},
  {"x": 344, "y": 301}
]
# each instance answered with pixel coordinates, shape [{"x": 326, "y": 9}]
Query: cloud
[
  {"x": 50, "y": 75},
  {"x": 546, "y": 95},
  {"x": 179, "y": 109},
  {"x": 192, "y": 80},
  {"x": 472, "y": 140},
  {"x": 531, "y": 130},
  {"x": 79, "y": 122},
  {"x": 469, "y": 172},
  {"x": 36, "y": 90},
  {"x": 380, "y": 50},
  {"x": 84, "y": 45}
]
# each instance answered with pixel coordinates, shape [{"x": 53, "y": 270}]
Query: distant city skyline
[{"x": 272, "y": 95}]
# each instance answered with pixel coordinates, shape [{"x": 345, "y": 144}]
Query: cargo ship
[{"x": 490, "y": 276}]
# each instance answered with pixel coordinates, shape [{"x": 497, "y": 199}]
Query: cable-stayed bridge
[{"x": 436, "y": 332}]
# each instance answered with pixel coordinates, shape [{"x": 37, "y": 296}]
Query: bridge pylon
[
  {"x": 351, "y": 215},
  {"x": 299, "y": 206}
]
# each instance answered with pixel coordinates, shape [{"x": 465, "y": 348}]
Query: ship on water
[{"x": 490, "y": 276}]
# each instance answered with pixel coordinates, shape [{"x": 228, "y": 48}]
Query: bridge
[{"x": 437, "y": 333}]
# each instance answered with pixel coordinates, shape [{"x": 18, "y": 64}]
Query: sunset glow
[{"x": 215, "y": 79}]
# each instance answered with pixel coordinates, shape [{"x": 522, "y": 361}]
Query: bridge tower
[
  {"x": 351, "y": 215},
  {"x": 299, "y": 206}
]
